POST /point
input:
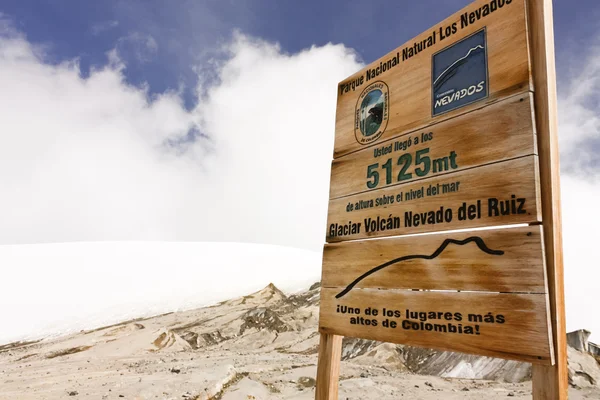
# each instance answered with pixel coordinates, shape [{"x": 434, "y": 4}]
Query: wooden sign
[
  {"x": 496, "y": 267},
  {"x": 453, "y": 130},
  {"x": 502, "y": 131},
  {"x": 415, "y": 84},
  {"x": 498, "y": 260},
  {"x": 513, "y": 326},
  {"x": 497, "y": 194}
]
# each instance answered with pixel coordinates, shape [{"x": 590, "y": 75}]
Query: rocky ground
[{"x": 261, "y": 346}]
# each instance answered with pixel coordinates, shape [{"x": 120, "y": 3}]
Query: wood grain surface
[
  {"x": 549, "y": 382},
  {"x": 496, "y": 292},
  {"x": 496, "y": 260},
  {"x": 498, "y": 132},
  {"x": 410, "y": 81},
  {"x": 519, "y": 330},
  {"x": 328, "y": 367},
  {"x": 475, "y": 202}
]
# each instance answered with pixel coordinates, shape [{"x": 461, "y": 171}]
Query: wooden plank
[
  {"x": 549, "y": 382},
  {"x": 499, "y": 260},
  {"x": 475, "y": 202},
  {"x": 328, "y": 367},
  {"x": 519, "y": 330},
  {"x": 499, "y": 132},
  {"x": 408, "y": 79}
]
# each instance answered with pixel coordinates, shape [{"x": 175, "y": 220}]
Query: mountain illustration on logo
[
  {"x": 476, "y": 239},
  {"x": 449, "y": 72},
  {"x": 460, "y": 74},
  {"x": 371, "y": 113}
]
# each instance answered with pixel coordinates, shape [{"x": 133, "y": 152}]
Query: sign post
[
  {"x": 549, "y": 382},
  {"x": 453, "y": 131}
]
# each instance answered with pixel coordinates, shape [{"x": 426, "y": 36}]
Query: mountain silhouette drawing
[
  {"x": 455, "y": 66},
  {"x": 476, "y": 239}
]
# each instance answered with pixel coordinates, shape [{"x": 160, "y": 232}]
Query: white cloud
[
  {"x": 580, "y": 221},
  {"x": 141, "y": 47},
  {"x": 579, "y": 140},
  {"x": 87, "y": 159},
  {"x": 579, "y": 118},
  {"x": 274, "y": 115},
  {"x": 103, "y": 26}
]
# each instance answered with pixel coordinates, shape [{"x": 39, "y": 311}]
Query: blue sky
[{"x": 163, "y": 42}]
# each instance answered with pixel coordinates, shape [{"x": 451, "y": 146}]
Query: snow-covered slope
[{"x": 53, "y": 289}]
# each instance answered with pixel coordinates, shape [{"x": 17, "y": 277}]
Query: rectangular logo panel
[{"x": 460, "y": 74}]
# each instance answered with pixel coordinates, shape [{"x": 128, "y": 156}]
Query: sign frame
[{"x": 549, "y": 381}]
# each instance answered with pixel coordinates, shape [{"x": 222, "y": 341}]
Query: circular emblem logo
[{"x": 372, "y": 113}]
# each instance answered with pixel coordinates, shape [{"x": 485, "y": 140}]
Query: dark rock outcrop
[
  {"x": 579, "y": 340},
  {"x": 263, "y": 318}
]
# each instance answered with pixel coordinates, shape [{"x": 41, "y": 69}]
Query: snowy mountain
[{"x": 54, "y": 289}]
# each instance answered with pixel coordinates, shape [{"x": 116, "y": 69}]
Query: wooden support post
[
  {"x": 328, "y": 368},
  {"x": 549, "y": 382}
]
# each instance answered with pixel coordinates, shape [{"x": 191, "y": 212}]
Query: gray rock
[{"x": 306, "y": 382}]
